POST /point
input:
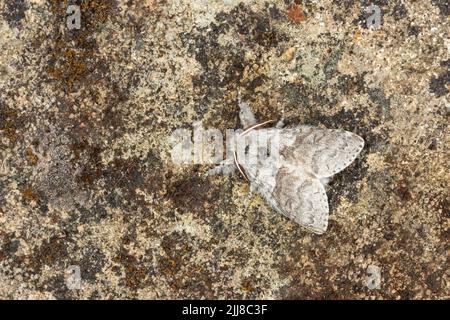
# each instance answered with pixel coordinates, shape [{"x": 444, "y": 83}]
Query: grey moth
[{"x": 292, "y": 166}]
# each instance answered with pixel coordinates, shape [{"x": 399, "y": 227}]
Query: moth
[{"x": 289, "y": 167}]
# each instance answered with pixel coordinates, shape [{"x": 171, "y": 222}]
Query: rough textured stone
[{"x": 87, "y": 178}]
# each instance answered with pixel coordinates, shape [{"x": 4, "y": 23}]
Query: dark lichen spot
[
  {"x": 414, "y": 30},
  {"x": 192, "y": 193},
  {"x": 399, "y": 11},
  {"x": 177, "y": 248},
  {"x": 15, "y": 12},
  {"x": 10, "y": 123},
  {"x": 224, "y": 64},
  {"x": 433, "y": 282},
  {"x": 51, "y": 253},
  {"x": 378, "y": 97},
  {"x": 13, "y": 246},
  {"x": 402, "y": 191},
  {"x": 114, "y": 199},
  {"x": 303, "y": 99},
  {"x": 124, "y": 177},
  {"x": 443, "y": 5},
  {"x": 445, "y": 63},
  {"x": 439, "y": 85},
  {"x": 274, "y": 11},
  {"x": 255, "y": 83},
  {"x": 445, "y": 207},
  {"x": 351, "y": 84},
  {"x": 58, "y": 287},
  {"x": 8, "y": 246},
  {"x": 433, "y": 145},
  {"x": 2, "y": 194},
  {"x": 87, "y": 157},
  {"x": 380, "y": 3},
  {"x": 94, "y": 214},
  {"x": 91, "y": 263},
  {"x": 179, "y": 251},
  {"x": 330, "y": 67},
  {"x": 136, "y": 273}
]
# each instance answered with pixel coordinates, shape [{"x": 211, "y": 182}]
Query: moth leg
[{"x": 245, "y": 114}]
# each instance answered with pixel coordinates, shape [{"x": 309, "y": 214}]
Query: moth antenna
[
  {"x": 256, "y": 126},
  {"x": 241, "y": 170}
]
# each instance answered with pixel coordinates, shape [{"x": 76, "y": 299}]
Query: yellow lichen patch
[
  {"x": 98, "y": 8},
  {"x": 247, "y": 286},
  {"x": 58, "y": 5},
  {"x": 29, "y": 194},
  {"x": 72, "y": 68},
  {"x": 31, "y": 157},
  {"x": 295, "y": 13},
  {"x": 357, "y": 36},
  {"x": 74, "y": 56},
  {"x": 288, "y": 55},
  {"x": 8, "y": 119},
  {"x": 376, "y": 161}
]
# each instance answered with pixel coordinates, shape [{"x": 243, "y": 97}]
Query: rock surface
[{"x": 87, "y": 178}]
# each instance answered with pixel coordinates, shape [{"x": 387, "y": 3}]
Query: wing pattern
[{"x": 293, "y": 186}]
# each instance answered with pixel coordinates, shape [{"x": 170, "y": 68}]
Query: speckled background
[{"x": 86, "y": 176}]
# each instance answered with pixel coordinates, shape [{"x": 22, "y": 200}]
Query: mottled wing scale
[
  {"x": 323, "y": 152},
  {"x": 302, "y": 198},
  {"x": 297, "y": 196}
]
